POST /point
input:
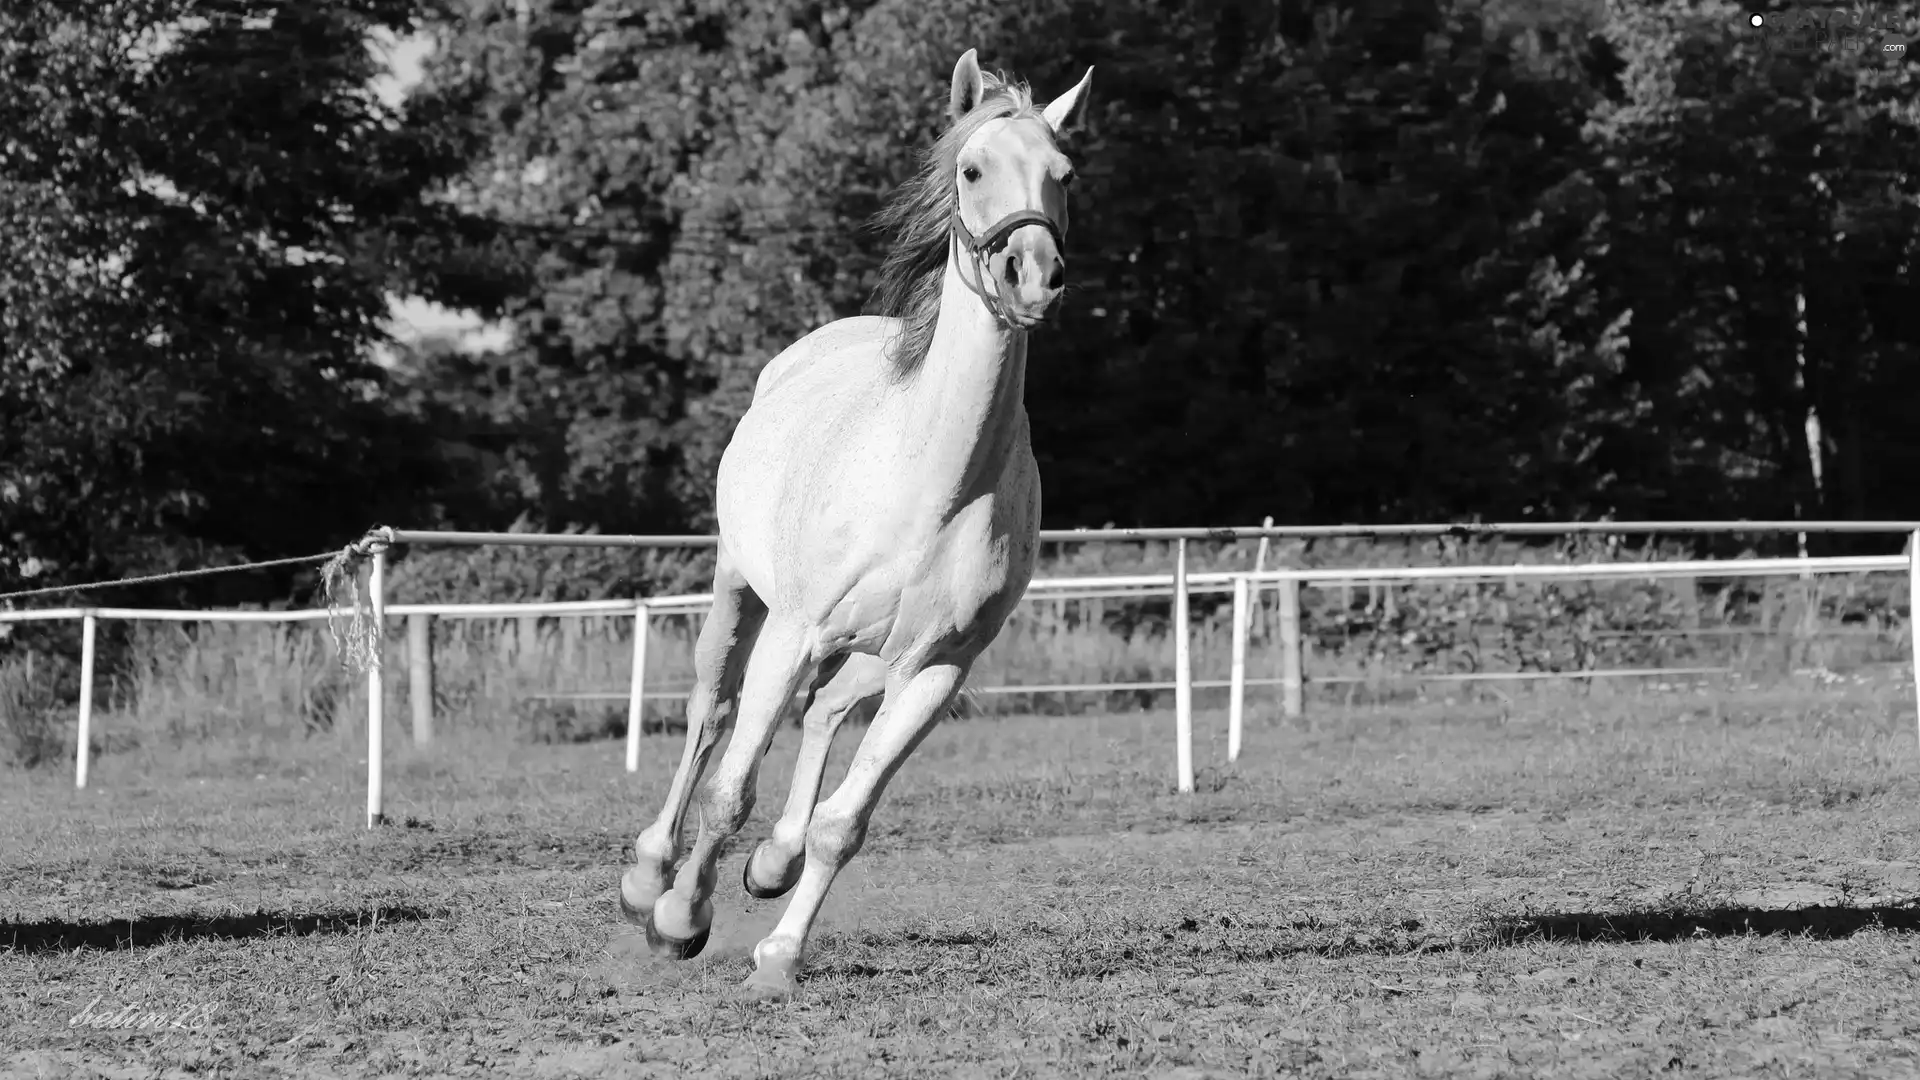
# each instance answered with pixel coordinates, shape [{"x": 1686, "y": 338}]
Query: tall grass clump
[
  {"x": 191, "y": 682},
  {"x": 34, "y": 717}
]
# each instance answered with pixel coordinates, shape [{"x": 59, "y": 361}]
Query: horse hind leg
[
  {"x": 914, "y": 706},
  {"x": 719, "y": 659},
  {"x": 683, "y": 915},
  {"x": 842, "y": 685}
]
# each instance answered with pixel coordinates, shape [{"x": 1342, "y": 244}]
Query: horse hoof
[
  {"x": 675, "y": 948},
  {"x": 780, "y": 887},
  {"x": 636, "y": 913},
  {"x": 632, "y": 911},
  {"x": 768, "y": 986}
]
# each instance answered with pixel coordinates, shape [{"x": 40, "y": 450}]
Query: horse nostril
[
  {"x": 1059, "y": 275},
  {"x": 1013, "y": 270}
]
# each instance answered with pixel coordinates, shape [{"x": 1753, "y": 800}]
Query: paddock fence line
[
  {"x": 1183, "y": 584},
  {"x": 1244, "y": 585},
  {"x": 419, "y": 657}
]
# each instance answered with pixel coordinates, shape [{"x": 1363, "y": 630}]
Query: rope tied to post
[{"x": 359, "y": 646}]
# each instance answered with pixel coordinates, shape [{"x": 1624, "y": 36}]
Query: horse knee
[
  {"x": 706, "y": 718},
  {"x": 726, "y": 807},
  {"x": 822, "y": 721},
  {"x": 834, "y": 836}
]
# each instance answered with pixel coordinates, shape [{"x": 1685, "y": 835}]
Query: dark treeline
[{"x": 1420, "y": 259}]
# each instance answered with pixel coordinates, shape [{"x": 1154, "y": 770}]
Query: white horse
[{"x": 879, "y": 509}]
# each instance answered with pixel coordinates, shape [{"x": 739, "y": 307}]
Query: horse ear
[
  {"x": 1066, "y": 113},
  {"x": 967, "y": 86}
]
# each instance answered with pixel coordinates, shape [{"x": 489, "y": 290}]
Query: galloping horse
[{"x": 879, "y": 509}]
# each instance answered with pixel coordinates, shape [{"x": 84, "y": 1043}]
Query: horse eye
[
  {"x": 971, "y": 173},
  {"x": 1067, "y": 180}
]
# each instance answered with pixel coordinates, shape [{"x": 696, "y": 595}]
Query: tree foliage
[
  {"x": 207, "y": 208},
  {"x": 1362, "y": 261},
  {"x": 1414, "y": 259}
]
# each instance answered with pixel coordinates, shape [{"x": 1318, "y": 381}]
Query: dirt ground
[{"x": 1718, "y": 884}]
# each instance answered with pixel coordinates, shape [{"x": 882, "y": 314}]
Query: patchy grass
[{"x": 1608, "y": 886}]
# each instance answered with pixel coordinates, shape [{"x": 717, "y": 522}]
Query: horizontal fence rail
[
  {"x": 1245, "y": 587},
  {"x": 1729, "y": 568},
  {"x": 1234, "y": 532},
  {"x": 1076, "y": 588},
  {"x": 1492, "y": 528},
  {"x": 679, "y": 692}
]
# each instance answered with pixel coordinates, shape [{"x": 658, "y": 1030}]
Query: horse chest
[
  {"x": 986, "y": 558},
  {"x": 949, "y": 584}
]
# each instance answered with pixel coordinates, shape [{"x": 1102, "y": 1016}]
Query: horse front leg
[
  {"x": 683, "y": 915},
  {"x": 719, "y": 659},
  {"x": 914, "y": 704}
]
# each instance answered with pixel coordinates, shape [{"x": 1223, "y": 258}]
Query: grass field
[{"x": 1695, "y": 884}]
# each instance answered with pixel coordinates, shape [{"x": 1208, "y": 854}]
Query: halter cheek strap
[{"x": 988, "y": 244}]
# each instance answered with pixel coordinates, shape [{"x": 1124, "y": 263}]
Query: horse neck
[{"x": 967, "y": 396}]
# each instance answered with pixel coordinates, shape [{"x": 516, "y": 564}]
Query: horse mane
[{"x": 919, "y": 216}]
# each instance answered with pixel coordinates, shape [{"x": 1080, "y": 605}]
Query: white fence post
[
  {"x": 1259, "y": 599},
  {"x": 420, "y": 676},
  {"x": 376, "y": 687},
  {"x": 637, "y": 694},
  {"x": 1182, "y": 672},
  {"x": 1292, "y": 695},
  {"x": 81, "y": 752},
  {"x": 1237, "y": 694},
  {"x": 1913, "y": 614}
]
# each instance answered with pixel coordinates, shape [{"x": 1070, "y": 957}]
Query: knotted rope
[{"x": 359, "y": 646}]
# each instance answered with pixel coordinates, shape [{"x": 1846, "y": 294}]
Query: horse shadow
[
  {"x": 60, "y": 935},
  {"x": 1824, "y": 922}
]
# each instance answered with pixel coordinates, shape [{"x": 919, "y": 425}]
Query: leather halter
[{"x": 983, "y": 247}]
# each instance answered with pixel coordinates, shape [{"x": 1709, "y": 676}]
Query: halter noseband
[{"x": 983, "y": 247}]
